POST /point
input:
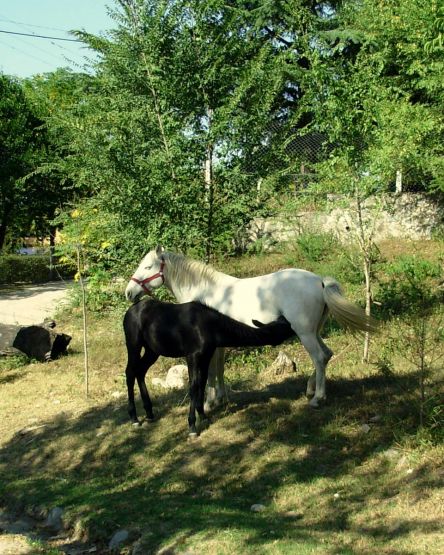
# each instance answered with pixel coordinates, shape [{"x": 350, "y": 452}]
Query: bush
[
  {"x": 316, "y": 246},
  {"x": 16, "y": 268},
  {"x": 411, "y": 286}
]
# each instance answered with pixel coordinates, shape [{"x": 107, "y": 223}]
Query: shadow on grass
[{"x": 109, "y": 475}]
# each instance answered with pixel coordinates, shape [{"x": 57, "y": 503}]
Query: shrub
[
  {"x": 410, "y": 286},
  {"x": 16, "y": 268},
  {"x": 315, "y": 246}
]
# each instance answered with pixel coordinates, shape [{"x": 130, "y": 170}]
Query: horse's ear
[{"x": 159, "y": 250}]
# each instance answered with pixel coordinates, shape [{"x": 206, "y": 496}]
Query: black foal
[{"x": 189, "y": 330}]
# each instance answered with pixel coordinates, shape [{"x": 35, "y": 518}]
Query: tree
[
  {"x": 20, "y": 137},
  {"x": 376, "y": 90},
  {"x": 180, "y": 87},
  {"x": 51, "y": 96}
]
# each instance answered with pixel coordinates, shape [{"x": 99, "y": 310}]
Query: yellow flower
[
  {"x": 75, "y": 213},
  {"x": 105, "y": 245}
]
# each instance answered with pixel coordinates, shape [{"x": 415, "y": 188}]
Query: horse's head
[{"x": 148, "y": 276}]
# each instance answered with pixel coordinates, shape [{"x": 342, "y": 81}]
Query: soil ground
[
  {"x": 30, "y": 304},
  {"x": 24, "y": 305}
]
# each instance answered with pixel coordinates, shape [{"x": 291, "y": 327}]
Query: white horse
[{"x": 303, "y": 298}]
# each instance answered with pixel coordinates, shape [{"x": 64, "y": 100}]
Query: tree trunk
[
  {"x": 52, "y": 232},
  {"x": 85, "y": 323},
  {"x": 4, "y": 224},
  {"x": 209, "y": 188},
  {"x": 2, "y": 235},
  {"x": 368, "y": 303}
]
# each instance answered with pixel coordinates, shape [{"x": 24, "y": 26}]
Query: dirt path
[
  {"x": 26, "y": 305},
  {"x": 31, "y": 304}
]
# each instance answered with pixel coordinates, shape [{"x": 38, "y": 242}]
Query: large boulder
[{"x": 42, "y": 342}]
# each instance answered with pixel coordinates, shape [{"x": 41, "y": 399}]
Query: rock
[
  {"x": 391, "y": 453},
  {"x": 257, "y": 508},
  {"x": 177, "y": 377},
  {"x": 54, "y": 519},
  {"x": 138, "y": 548},
  {"x": 402, "y": 462},
  {"x": 118, "y": 539},
  {"x": 21, "y": 526},
  {"x": 158, "y": 382},
  {"x": 376, "y": 418},
  {"x": 409, "y": 215},
  {"x": 41, "y": 342},
  {"x": 283, "y": 364},
  {"x": 295, "y": 515},
  {"x": 365, "y": 428}
]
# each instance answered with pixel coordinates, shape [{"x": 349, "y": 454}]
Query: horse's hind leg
[
  {"x": 311, "y": 384},
  {"x": 216, "y": 393},
  {"x": 320, "y": 354}
]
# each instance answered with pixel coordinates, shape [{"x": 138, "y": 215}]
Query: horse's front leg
[
  {"x": 146, "y": 361},
  {"x": 201, "y": 378},
  {"x": 198, "y": 374},
  {"x": 130, "y": 380},
  {"x": 193, "y": 391},
  {"x": 216, "y": 394},
  {"x": 147, "y": 405}
]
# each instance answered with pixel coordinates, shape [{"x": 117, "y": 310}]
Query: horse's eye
[{"x": 148, "y": 267}]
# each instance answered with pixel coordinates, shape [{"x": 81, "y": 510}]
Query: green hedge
[{"x": 16, "y": 268}]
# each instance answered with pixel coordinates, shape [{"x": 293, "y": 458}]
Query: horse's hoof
[
  {"x": 192, "y": 436},
  {"x": 204, "y": 424},
  {"x": 150, "y": 419},
  {"x": 317, "y": 403},
  {"x": 136, "y": 424},
  {"x": 210, "y": 406}
]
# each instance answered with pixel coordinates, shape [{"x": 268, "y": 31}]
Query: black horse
[{"x": 190, "y": 330}]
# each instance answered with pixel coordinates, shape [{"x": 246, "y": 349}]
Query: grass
[{"x": 356, "y": 477}]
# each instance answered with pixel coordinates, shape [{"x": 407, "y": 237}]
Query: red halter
[{"x": 143, "y": 282}]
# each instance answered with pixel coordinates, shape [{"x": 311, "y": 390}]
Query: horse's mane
[{"x": 186, "y": 272}]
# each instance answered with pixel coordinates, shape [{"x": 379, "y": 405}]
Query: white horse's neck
[{"x": 191, "y": 280}]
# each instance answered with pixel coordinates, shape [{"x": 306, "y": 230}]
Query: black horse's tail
[{"x": 237, "y": 334}]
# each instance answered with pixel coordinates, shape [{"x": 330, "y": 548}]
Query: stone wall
[{"x": 406, "y": 215}]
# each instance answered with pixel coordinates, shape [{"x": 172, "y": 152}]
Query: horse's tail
[{"x": 346, "y": 313}]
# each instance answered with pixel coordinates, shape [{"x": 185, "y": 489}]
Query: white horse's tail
[{"x": 346, "y": 313}]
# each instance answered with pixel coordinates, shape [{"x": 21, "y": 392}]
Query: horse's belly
[{"x": 244, "y": 304}]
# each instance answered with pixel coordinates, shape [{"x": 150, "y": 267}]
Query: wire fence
[{"x": 292, "y": 156}]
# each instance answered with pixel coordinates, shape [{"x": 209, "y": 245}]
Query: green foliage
[
  {"x": 21, "y": 268},
  {"x": 15, "y": 268},
  {"x": 326, "y": 256},
  {"x": 411, "y": 286},
  {"x": 19, "y": 140},
  {"x": 315, "y": 246},
  {"x": 375, "y": 88},
  {"x": 178, "y": 86},
  {"x": 13, "y": 362}
]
